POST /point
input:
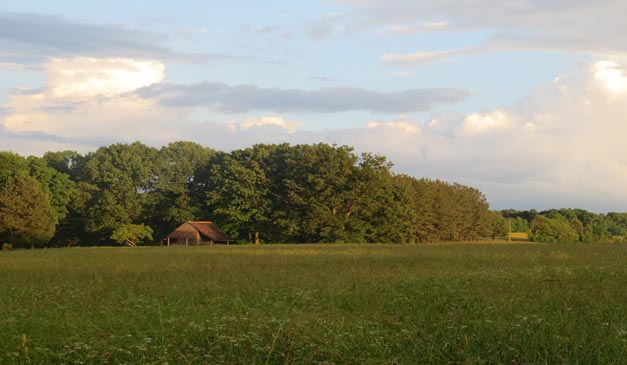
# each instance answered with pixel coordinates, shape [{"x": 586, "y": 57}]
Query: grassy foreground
[{"x": 372, "y": 304}]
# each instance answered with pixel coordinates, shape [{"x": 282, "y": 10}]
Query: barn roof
[{"x": 208, "y": 231}]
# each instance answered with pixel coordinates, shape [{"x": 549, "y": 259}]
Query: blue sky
[{"x": 523, "y": 100}]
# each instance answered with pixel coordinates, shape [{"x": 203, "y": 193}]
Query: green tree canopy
[
  {"x": 131, "y": 234},
  {"x": 59, "y": 187},
  {"x": 282, "y": 193},
  {"x": 116, "y": 181},
  {"x": 26, "y": 217},
  {"x": 500, "y": 225},
  {"x": 237, "y": 195},
  {"x": 552, "y": 229},
  {"x": 446, "y": 212},
  {"x": 178, "y": 194}
]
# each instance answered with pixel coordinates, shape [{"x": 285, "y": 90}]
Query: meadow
[{"x": 325, "y": 304}]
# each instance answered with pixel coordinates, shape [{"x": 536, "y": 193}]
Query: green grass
[{"x": 372, "y": 304}]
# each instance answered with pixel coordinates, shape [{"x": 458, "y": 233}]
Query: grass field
[{"x": 372, "y": 304}]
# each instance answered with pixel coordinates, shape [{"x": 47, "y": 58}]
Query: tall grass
[{"x": 373, "y": 304}]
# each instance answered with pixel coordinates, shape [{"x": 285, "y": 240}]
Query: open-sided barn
[{"x": 197, "y": 233}]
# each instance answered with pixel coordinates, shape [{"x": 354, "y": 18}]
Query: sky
[{"x": 524, "y": 100}]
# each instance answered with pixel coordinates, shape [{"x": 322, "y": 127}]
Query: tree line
[
  {"x": 133, "y": 193},
  {"x": 569, "y": 225}
]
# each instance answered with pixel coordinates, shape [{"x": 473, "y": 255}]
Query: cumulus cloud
[
  {"x": 611, "y": 76},
  {"x": 85, "y": 97},
  {"x": 445, "y": 122},
  {"x": 498, "y": 119},
  {"x": 290, "y": 127},
  {"x": 243, "y": 98},
  {"x": 85, "y": 76},
  {"x": 561, "y": 146},
  {"x": 399, "y": 126}
]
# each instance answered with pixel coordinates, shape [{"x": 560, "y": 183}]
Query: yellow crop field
[{"x": 520, "y": 236}]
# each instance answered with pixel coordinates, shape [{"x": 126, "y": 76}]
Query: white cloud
[
  {"x": 484, "y": 122},
  {"x": 561, "y": 146},
  {"x": 611, "y": 76},
  {"x": 290, "y": 127},
  {"x": 85, "y": 97},
  {"x": 88, "y": 102},
  {"x": 399, "y": 126},
  {"x": 89, "y": 77}
]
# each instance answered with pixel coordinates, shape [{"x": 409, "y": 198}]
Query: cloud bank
[
  {"x": 28, "y": 40},
  {"x": 576, "y": 27},
  {"x": 243, "y": 98}
]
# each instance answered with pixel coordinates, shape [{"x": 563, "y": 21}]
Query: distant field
[
  {"x": 519, "y": 236},
  {"x": 373, "y": 304}
]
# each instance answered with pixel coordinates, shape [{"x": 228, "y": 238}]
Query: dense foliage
[
  {"x": 129, "y": 193},
  {"x": 569, "y": 225},
  {"x": 447, "y": 212}
]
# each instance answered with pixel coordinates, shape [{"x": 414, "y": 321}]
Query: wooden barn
[{"x": 197, "y": 233}]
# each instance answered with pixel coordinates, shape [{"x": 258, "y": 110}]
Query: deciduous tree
[
  {"x": 131, "y": 234},
  {"x": 26, "y": 217}
]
